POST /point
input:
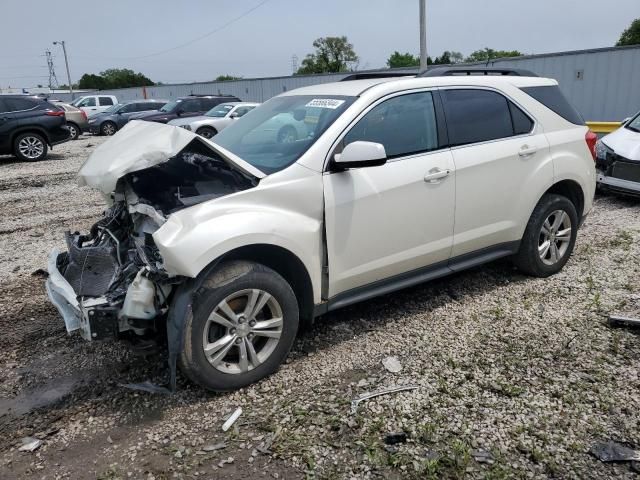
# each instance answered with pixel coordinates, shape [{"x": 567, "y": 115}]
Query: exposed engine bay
[{"x": 115, "y": 270}]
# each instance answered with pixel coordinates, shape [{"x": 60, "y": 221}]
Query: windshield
[
  {"x": 220, "y": 111},
  {"x": 114, "y": 108},
  {"x": 634, "y": 124},
  {"x": 169, "y": 107},
  {"x": 77, "y": 101},
  {"x": 277, "y": 133}
]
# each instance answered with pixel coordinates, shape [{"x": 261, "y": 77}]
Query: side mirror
[
  {"x": 234, "y": 115},
  {"x": 626, "y": 120},
  {"x": 361, "y": 154}
]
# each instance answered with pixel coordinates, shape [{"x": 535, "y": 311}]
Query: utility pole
[
  {"x": 423, "y": 35},
  {"x": 66, "y": 62},
  {"x": 53, "y": 80}
]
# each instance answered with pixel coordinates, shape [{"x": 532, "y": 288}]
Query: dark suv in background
[
  {"x": 29, "y": 125},
  {"x": 116, "y": 117},
  {"x": 190, "y": 106}
]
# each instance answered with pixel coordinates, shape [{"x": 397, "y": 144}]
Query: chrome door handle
[
  {"x": 435, "y": 175},
  {"x": 527, "y": 151}
]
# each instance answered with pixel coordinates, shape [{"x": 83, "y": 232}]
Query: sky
[{"x": 167, "y": 39}]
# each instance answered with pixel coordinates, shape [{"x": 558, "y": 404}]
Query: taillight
[
  {"x": 55, "y": 113},
  {"x": 84, "y": 114},
  {"x": 591, "y": 139}
]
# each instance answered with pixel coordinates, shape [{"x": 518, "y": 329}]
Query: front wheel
[
  {"x": 549, "y": 237},
  {"x": 245, "y": 319}
]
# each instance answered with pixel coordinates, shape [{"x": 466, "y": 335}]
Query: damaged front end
[{"x": 112, "y": 282}]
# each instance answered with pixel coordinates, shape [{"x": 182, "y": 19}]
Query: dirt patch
[{"x": 524, "y": 370}]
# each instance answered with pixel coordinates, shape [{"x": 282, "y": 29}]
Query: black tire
[
  {"x": 287, "y": 134},
  {"x": 223, "y": 282},
  {"x": 38, "y": 150},
  {"x": 207, "y": 132},
  {"x": 108, "y": 128},
  {"x": 528, "y": 259},
  {"x": 75, "y": 130}
]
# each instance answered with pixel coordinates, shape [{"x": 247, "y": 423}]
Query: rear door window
[
  {"x": 104, "y": 101},
  {"x": 476, "y": 116},
  {"x": 192, "y": 105},
  {"x": 209, "y": 103},
  {"x": 405, "y": 125}
]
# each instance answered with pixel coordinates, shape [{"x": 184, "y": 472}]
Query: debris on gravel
[{"x": 512, "y": 377}]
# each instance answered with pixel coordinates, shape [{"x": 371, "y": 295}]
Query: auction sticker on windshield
[{"x": 331, "y": 103}]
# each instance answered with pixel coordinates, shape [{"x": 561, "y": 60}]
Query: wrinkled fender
[{"x": 188, "y": 246}]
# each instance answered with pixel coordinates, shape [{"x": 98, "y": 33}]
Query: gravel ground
[{"x": 516, "y": 377}]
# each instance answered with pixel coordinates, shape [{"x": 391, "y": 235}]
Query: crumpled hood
[
  {"x": 624, "y": 142},
  {"x": 140, "y": 145}
]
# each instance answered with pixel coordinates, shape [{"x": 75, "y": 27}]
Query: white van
[{"x": 93, "y": 104}]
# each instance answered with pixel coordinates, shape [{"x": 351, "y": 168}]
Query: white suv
[{"x": 233, "y": 243}]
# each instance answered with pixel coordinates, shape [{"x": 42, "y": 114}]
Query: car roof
[
  {"x": 146, "y": 100},
  {"x": 355, "y": 88}
]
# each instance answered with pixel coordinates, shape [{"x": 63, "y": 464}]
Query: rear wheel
[
  {"x": 74, "y": 130},
  {"x": 207, "y": 132},
  {"x": 244, "y": 322},
  {"x": 549, "y": 237},
  {"x": 30, "y": 147},
  {"x": 108, "y": 128}
]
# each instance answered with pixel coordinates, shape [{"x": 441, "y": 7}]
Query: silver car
[{"x": 216, "y": 119}]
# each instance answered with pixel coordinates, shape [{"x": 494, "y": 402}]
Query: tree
[
  {"x": 332, "y": 55},
  {"x": 448, "y": 58},
  {"x": 487, "y": 54},
  {"x": 631, "y": 36},
  {"x": 402, "y": 60},
  {"x": 114, "y": 78},
  {"x": 227, "y": 78}
]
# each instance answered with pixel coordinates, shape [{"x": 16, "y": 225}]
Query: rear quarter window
[{"x": 552, "y": 98}]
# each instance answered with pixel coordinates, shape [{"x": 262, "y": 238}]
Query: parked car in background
[
  {"x": 618, "y": 162},
  {"x": 117, "y": 116},
  {"x": 216, "y": 119},
  {"x": 233, "y": 245},
  {"x": 30, "y": 125},
  {"x": 77, "y": 121},
  {"x": 92, "y": 104},
  {"x": 191, "y": 106}
]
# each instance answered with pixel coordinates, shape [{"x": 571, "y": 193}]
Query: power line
[{"x": 208, "y": 34}]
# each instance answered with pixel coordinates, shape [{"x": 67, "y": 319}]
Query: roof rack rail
[
  {"x": 462, "y": 71},
  {"x": 370, "y": 75}
]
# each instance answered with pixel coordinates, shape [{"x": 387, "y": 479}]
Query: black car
[
  {"x": 191, "y": 106},
  {"x": 29, "y": 125},
  {"x": 117, "y": 116}
]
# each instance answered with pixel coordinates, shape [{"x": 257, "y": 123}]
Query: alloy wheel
[
  {"x": 242, "y": 331},
  {"x": 555, "y": 237},
  {"x": 31, "y": 147},
  {"x": 108, "y": 129}
]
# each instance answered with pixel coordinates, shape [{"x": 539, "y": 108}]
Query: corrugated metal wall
[{"x": 602, "y": 83}]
